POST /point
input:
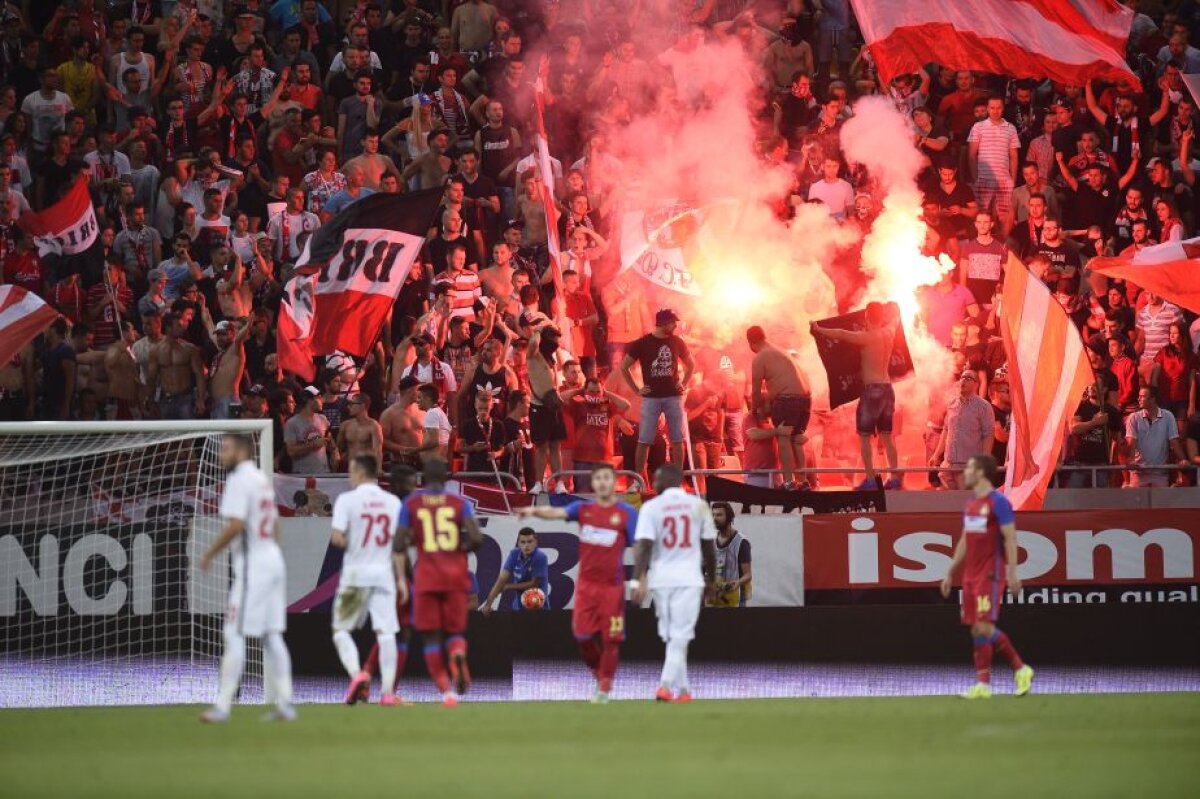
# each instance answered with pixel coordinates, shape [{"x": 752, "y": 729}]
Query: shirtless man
[
  {"x": 17, "y": 386},
  {"x": 176, "y": 378},
  {"x": 788, "y": 401},
  {"x": 547, "y": 428},
  {"x": 124, "y": 379},
  {"x": 403, "y": 425},
  {"x": 235, "y": 296},
  {"x": 89, "y": 363},
  {"x": 360, "y": 434},
  {"x": 497, "y": 279},
  {"x": 228, "y": 367},
  {"x": 878, "y": 401},
  {"x": 374, "y": 165}
]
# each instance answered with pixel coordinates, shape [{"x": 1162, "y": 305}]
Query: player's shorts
[
  {"x": 981, "y": 601},
  {"x": 440, "y": 610},
  {"x": 876, "y": 407},
  {"x": 353, "y": 603},
  {"x": 599, "y": 610},
  {"x": 792, "y": 410},
  {"x": 258, "y": 601},
  {"x": 677, "y": 610},
  {"x": 546, "y": 425}
]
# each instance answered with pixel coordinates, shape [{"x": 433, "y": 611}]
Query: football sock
[
  {"x": 372, "y": 662},
  {"x": 609, "y": 656},
  {"x": 456, "y": 645},
  {"x": 590, "y": 649},
  {"x": 1004, "y": 647},
  {"x": 436, "y": 664},
  {"x": 983, "y": 660},
  {"x": 667, "y": 679},
  {"x": 387, "y": 662},
  {"x": 232, "y": 661},
  {"x": 347, "y": 652},
  {"x": 681, "y": 675},
  {"x": 277, "y": 669}
]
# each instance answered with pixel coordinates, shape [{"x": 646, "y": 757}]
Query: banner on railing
[
  {"x": 776, "y": 500},
  {"x": 1065, "y": 556}
]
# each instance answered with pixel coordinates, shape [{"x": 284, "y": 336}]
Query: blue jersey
[{"x": 525, "y": 569}]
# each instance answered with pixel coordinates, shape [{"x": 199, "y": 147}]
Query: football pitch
[{"x": 1080, "y": 745}]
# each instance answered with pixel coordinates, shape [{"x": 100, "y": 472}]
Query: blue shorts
[
  {"x": 652, "y": 408},
  {"x": 876, "y": 407}
]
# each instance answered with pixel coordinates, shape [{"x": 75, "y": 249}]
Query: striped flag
[
  {"x": 1048, "y": 370},
  {"x": 546, "y": 168},
  {"x": 22, "y": 317},
  {"x": 1068, "y": 41},
  {"x": 1171, "y": 270}
]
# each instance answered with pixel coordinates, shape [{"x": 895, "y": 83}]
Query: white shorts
[
  {"x": 353, "y": 603},
  {"x": 677, "y": 610},
  {"x": 258, "y": 601}
]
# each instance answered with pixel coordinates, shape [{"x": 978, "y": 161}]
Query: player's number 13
[{"x": 441, "y": 531}]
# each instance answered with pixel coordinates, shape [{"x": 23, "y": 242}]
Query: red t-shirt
[
  {"x": 982, "y": 519},
  {"x": 604, "y": 532},
  {"x": 285, "y": 141},
  {"x": 581, "y": 306},
  {"x": 437, "y": 520},
  {"x": 760, "y": 454},
  {"x": 1173, "y": 384},
  {"x": 593, "y": 437},
  {"x": 105, "y": 325},
  {"x": 25, "y": 269}
]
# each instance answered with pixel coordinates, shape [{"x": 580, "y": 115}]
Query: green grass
[{"x": 1144, "y": 745}]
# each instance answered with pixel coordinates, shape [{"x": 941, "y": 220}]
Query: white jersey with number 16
[
  {"x": 367, "y": 517},
  {"x": 676, "y": 522}
]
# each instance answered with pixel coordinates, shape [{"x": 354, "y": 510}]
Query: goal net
[{"x": 102, "y": 526}]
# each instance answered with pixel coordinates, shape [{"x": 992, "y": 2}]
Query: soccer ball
[{"x": 533, "y": 599}]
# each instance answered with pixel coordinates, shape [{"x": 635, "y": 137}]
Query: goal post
[{"x": 102, "y": 525}]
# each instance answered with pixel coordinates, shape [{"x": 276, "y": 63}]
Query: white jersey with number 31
[
  {"x": 367, "y": 517},
  {"x": 250, "y": 498},
  {"x": 676, "y": 522}
]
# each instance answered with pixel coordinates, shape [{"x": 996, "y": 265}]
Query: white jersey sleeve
[
  {"x": 367, "y": 516},
  {"x": 676, "y": 522}
]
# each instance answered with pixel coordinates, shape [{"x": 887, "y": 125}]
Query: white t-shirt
[
  {"x": 106, "y": 167},
  {"x": 47, "y": 115},
  {"x": 301, "y": 224},
  {"x": 250, "y": 497},
  {"x": 367, "y": 517},
  {"x": 676, "y": 522},
  {"x": 436, "y": 419},
  {"x": 837, "y": 196}
]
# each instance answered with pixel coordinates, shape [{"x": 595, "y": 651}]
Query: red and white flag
[
  {"x": 546, "y": 169},
  {"x": 1068, "y": 41},
  {"x": 66, "y": 228},
  {"x": 349, "y": 275},
  {"x": 1048, "y": 370},
  {"x": 22, "y": 317},
  {"x": 1170, "y": 270}
]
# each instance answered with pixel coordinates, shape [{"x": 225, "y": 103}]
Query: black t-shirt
[
  {"x": 660, "y": 359},
  {"x": 796, "y": 114},
  {"x": 1092, "y": 446},
  {"x": 1193, "y": 428},
  {"x": 439, "y": 246},
  {"x": 473, "y": 431},
  {"x": 1003, "y": 419},
  {"x": 1087, "y": 207},
  {"x": 57, "y": 179},
  {"x": 1063, "y": 258},
  {"x": 961, "y": 195},
  {"x": 54, "y": 376}
]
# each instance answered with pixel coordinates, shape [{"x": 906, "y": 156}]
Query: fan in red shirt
[
  {"x": 23, "y": 267},
  {"x": 593, "y": 412},
  {"x": 986, "y": 555},
  {"x": 442, "y": 528},
  {"x": 106, "y": 301},
  {"x": 606, "y": 527}
]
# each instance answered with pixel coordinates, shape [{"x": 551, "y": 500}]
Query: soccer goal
[{"x": 102, "y": 525}]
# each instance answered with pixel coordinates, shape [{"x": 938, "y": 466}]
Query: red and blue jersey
[
  {"x": 437, "y": 521},
  {"x": 982, "y": 519},
  {"x": 604, "y": 532}
]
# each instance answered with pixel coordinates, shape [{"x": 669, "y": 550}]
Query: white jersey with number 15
[
  {"x": 676, "y": 522},
  {"x": 367, "y": 517}
]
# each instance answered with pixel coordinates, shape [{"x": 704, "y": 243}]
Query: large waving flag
[
  {"x": 654, "y": 241},
  {"x": 546, "y": 168},
  {"x": 1047, "y": 372},
  {"x": 66, "y": 228},
  {"x": 349, "y": 275},
  {"x": 1069, "y": 41},
  {"x": 22, "y": 317},
  {"x": 1170, "y": 270}
]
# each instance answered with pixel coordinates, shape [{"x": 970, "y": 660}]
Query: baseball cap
[
  {"x": 312, "y": 391},
  {"x": 1156, "y": 161},
  {"x": 665, "y": 317},
  {"x": 257, "y": 390},
  {"x": 223, "y": 326}
]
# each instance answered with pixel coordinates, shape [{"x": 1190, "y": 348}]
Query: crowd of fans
[{"x": 215, "y": 137}]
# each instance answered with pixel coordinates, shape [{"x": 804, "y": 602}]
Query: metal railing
[
  {"x": 1092, "y": 470},
  {"x": 626, "y": 473}
]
